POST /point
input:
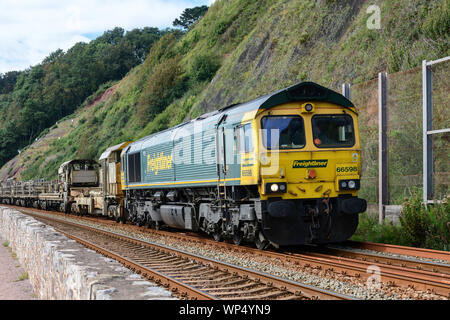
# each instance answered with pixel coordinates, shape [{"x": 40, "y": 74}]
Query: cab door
[
  {"x": 248, "y": 154},
  {"x": 221, "y": 154}
]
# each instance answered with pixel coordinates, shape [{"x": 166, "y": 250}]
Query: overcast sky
[{"x": 31, "y": 29}]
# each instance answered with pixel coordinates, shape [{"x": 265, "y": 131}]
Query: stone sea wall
[{"x": 62, "y": 269}]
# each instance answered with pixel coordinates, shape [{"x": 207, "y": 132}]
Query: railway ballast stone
[{"x": 60, "y": 268}]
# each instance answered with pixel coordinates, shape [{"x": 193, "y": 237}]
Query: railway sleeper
[
  {"x": 246, "y": 293},
  {"x": 203, "y": 277},
  {"x": 221, "y": 284},
  {"x": 246, "y": 285}
]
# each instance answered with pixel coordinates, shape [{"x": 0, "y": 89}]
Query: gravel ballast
[{"x": 325, "y": 279}]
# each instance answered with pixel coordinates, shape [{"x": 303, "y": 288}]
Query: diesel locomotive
[{"x": 282, "y": 169}]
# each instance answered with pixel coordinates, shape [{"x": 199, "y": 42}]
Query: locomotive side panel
[{"x": 157, "y": 160}]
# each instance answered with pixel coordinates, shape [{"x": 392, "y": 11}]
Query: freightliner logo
[{"x": 310, "y": 164}]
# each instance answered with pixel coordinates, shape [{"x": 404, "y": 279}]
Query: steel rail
[
  {"x": 401, "y": 250},
  {"x": 418, "y": 279},
  {"x": 424, "y": 276},
  {"x": 166, "y": 281},
  {"x": 285, "y": 285},
  {"x": 405, "y": 262}
]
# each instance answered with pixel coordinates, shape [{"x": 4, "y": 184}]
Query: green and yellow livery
[{"x": 282, "y": 169}]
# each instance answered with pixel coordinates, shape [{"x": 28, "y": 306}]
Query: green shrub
[
  {"x": 437, "y": 25},
  {"x": 370, "y": 230},
  {"x": 304, "y": 37},
  {"x": 427, "y": 227},
  {"x": 164, "y": 85},
  {"x": 420, "y": 226},
  {"x": 204, "y": 67}
]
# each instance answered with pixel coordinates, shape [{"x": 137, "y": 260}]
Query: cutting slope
[{"x": 240, "y": 50}]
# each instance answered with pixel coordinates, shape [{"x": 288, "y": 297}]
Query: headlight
[
  {"x": 308, "y": 107},
  {"x": 275, "y": 187},
  {"x": 353, "y": 184}
]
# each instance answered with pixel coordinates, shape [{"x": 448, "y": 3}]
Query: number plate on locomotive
[{"x": 342, "y": 170}]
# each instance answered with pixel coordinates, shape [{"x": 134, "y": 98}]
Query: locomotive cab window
[
  {"x": 283, "y": 132},
  {"x": 333, "y": 131},
  {"x": 245, "y": 138},
  {"x": 84, "y": 167}
]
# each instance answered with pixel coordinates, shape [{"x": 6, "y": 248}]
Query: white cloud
[{"x": 30, "y": 30}]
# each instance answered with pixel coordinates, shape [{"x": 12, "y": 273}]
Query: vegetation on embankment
[
  {"x": 237, "y": 51},
  {"x": 420, "y": 226},
  {"x": 33, "y": 100}
]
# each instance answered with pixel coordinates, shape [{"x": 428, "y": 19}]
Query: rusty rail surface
[
  {"x": 397, "y": 271},
  {"x": 188, "y": 275},
  {"x": 402, "y": 250}
]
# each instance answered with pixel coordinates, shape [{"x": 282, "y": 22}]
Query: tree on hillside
[
  {"x": 190, "y": 16},
  {"x": 111, "y": 36},
  {"x": 8, "y": 81},
  {"x": 34, "y": 99},
  {"x": 142, "y": 40}
]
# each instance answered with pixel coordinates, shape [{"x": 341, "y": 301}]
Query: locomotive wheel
[
  {"x": 218, "y": 235},
  {"x": 154, "y": 225},
  {"x": 261, "y": 242},
  {"x": 237, "y": 238}
]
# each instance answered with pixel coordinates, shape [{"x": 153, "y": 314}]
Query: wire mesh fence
[
  {"x": 404, "y": 133},
  {"x": 365, "y": 98},
  {"x": 441, "y": 120}
]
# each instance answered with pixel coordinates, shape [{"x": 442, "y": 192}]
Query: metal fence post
[
  {"x": 382, "y": 147},
  {"x": 346, "y": 90},
  {"x": 427, "y": 128},
  {"x": 427, "y": 98}
]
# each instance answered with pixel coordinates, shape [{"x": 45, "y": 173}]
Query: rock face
[{"x": 60, "y": 268}]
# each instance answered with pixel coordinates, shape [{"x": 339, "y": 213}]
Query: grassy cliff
[{"x": 238, "y": 51}]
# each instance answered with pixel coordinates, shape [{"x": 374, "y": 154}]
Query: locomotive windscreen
[
  {"x": 333, "y": 131},
  {"x": 283, "y": 132}
]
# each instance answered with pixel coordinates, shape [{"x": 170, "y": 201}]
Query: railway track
[
  {"x": 187, "y": 275},
  {"x": 394, "y": 271},
  {"x": 406, "y": 273},
  {"x": 401, "y": 250}
]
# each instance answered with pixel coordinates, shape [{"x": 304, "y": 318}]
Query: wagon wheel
[{"x": 111, "y": 211}]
